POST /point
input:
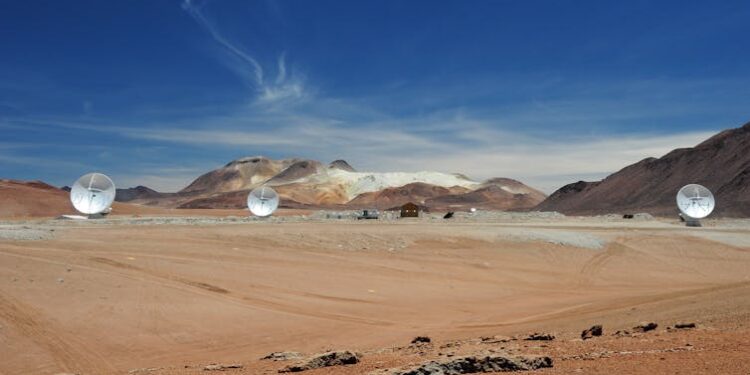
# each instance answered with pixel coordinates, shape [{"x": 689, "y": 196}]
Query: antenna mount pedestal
[{"x": 693, "y": 222}]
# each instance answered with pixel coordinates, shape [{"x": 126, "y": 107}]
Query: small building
[
  {"x": 369, "y": 214},
  {"x": 409, "y": 210}
]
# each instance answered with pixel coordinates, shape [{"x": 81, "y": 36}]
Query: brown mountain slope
[
  {"x": 296, "y": 171},
  {"x": 721, "y": 163},
  {"x": 291, "y": 196},
  {"x": 239, "y": 174},
  {"x": 517, "y": 187},
  {"x": 138, "y": 192},
  {"x": 416, "y": 192},
  {"x": 488, "y": 197},
  {"x": 30, "y": 199}
]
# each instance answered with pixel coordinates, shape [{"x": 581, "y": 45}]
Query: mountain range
[
  {"x": 303, "y": 183},
  {"x": 721, "y": 163}
]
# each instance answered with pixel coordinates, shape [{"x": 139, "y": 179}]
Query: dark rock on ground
[
  {"x": 684, "y": 325},
  {"x": 540, "y": 337},
  {"x": 596, "y": 330},
  {"x": 282, "y": 356},
  {"x": 221, "y": 367},
  {"x": 338, "y": 358},
  {"x": 421, "y": 340},
  {"x": 645, "y": 327},
  {"x": 473, "y": 365}
]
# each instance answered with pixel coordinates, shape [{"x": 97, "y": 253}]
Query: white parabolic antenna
[
  {"x": 695, "y": 201},
  {"x": 93, "y": 193},
  {"x": 262, "y": 201}
]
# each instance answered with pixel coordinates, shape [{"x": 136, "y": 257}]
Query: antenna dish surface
[
  {"x": 695, "y": 201},
  {"x": 263, "y": 201},
  {"x": 92, "y": 194}
]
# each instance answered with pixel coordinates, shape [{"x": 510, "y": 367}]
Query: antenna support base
[{"x": 693, "y": 223}]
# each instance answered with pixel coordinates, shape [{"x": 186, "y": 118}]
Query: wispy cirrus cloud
[{"x": 286, "y": 86}]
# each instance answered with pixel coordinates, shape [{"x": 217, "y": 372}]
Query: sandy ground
[{"x": 161, "y": 296}]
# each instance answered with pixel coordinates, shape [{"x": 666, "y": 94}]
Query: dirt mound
[{"x": 721, "y": 163}]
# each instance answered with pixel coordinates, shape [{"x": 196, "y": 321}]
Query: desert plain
[{"x": 172, "y": 294}]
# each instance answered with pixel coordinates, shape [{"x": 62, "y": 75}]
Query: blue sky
[{"x": 547, "y": 92}]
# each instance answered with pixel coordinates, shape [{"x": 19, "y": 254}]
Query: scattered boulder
[
  {"x": 645, "y": 327},
  {"x": 473, "y": 365},
  {"x": 540, "y": 337},
  {"x": 221, "y": 367},
  {"x": 336, "y": 358},
  {"x": 684, "y": 325},
  {"x": 421, "y": 340},
  {"x": 596, "y": 330},
  {"x": 282, "y": 356}
]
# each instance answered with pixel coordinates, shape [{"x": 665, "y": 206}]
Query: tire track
[
  {"x": 245, "y": 300},
  {"x": 69, "y": 353},
  {"x": 595, "y": 264},
  {"x": 207, "y": 290}
]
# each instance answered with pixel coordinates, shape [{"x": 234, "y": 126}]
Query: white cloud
[
  {"x": 285, "y": 87},
  {"x": 468, "y": 146}
]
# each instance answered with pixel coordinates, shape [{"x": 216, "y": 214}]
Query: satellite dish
[
  {"x": 93, "y": 193},
  {"x": 262, "y": 201},
  {"x": 695, "y": 201}
]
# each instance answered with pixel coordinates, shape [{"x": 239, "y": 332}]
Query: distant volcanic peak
[
  {"x": 138, "y": 192},
  {"x": 501, "y": 181},
  {"x": 342, "y": 165},
  {"x": 143, "y": 189},
  {"x": 248, "y": 159},
  {"x": 513, "y": 186}
]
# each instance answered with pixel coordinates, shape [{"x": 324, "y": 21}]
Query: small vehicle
[{"x": 368, "y": 214}]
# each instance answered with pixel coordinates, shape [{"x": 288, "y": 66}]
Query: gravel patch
[
  {"x": 554, "y": 236},
  {"x": 25, "y": 233},
  {"x": 727, "y": 238}
]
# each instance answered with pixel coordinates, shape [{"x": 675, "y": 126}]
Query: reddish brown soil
[{"x": 100, "y": 299}]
